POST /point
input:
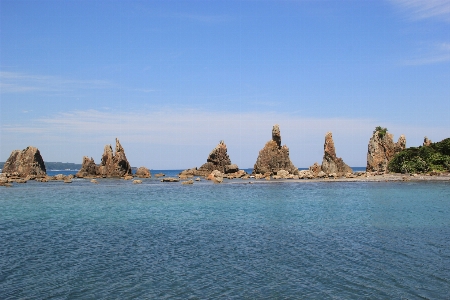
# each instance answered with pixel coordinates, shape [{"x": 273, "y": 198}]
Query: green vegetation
[
  {"x": 423, "y": 159},
  {"x": 381, "y": 131}
]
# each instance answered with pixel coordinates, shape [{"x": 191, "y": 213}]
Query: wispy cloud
[
  {"x": 178, "y": 138},
  {"x": 16, "y": 82},
  {"x": 424, "y": 9},
  {"x": 431, "y": 54}
]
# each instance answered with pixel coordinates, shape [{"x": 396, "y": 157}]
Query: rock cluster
[
  {"x": 112, "y": 164},
  {"x": 274, "y": 157},
  {"x": 27, "y": 162},
  {"x": 331, "y": 163},
  {"x": 218, "y": 160},
  {"x": 381, "y": 150}
]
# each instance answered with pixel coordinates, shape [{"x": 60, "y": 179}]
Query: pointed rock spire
[
  {"x": 331, "y": 163},
  {"x": 274, "y": 157}
]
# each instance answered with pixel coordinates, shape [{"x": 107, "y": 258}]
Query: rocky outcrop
[
  {"x": 88, "y": 168},
  {"x": 426, "y": 141},
  {"x": 27, "y": 162},
  {"x": 274, "y": 157},
  {"x": 143, "y": 172},
  {"x": 331, "y": 163},
  {"x": 218, "y": 160},
  {"x": 381, "y": 150},
  {"x": 114, "y": 164}
]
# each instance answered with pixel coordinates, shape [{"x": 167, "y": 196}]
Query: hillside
[{"x": 423, "y": 159}]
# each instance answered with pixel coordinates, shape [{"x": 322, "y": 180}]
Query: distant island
[{"x": 56, "y": 166}]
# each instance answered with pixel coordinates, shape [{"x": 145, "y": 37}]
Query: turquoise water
[{"x": 326, "y": 240}]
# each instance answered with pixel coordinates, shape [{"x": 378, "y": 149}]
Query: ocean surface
[{"x": 278, "y": 240}]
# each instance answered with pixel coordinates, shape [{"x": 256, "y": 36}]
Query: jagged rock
[
  {"x": 274, "y": 157},
  {"x": 114, "y": 164},
  {"x": 26, "y": 162},
  {"x": 94, "y": 181},
  {"x": 331, "y": 163},
  {"x": 88, "y": 168},
  {"x": 218, "y": 159},
  {"x": 143, "y": 172},
  {"x": 315, "y": 169},
  {"x": 381, "y": 150},
  {"x": 426, "y": 142},
  {"x": 160, "y": 175},
  {"x": 137, "y": 181},
  {"x": 128, "y": 177},
  {"x": 197, "y": 179},
  {"x": 188, "y": 182}
]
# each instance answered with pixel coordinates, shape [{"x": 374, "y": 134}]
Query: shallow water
[{"x": 278, "y": 240}]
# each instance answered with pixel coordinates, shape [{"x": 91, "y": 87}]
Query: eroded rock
[
  {"x": 331, "y": 164},
  {"x": 274, "y": 157},
  {"x": 143, "y": 172},
  {"x": 381, "y": 150},
  {"x": 25, "y": 163}
]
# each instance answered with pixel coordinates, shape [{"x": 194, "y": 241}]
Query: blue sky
[{"x": 171, "y": 79}]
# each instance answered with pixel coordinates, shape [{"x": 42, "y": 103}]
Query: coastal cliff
[
  {"x": 381, "y": 150},
  {"x": 27, "y": 162},
  {"x": 274, "y": 157}
]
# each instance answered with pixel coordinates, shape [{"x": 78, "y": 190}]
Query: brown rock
[
  {"x": 88, "y": 168},
  {"x": 114, "y": 164},
  {"x": 426, "y": 142},
  {"x": 170, "y": 179},
  {"x": 143, "y": 172},
  {"x": 218, "y": 159},
  {"x": 381, "y": 150},
  {"x": 25, "y": 163},
  {"x": 315, "y": 169},
  {"x": 331, "y": 163},
  {"x": 274, "y": 157}
]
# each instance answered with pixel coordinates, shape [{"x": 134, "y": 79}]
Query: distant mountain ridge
[{"x": 56, "y": 166}]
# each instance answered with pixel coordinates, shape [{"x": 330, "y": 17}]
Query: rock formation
[
  {"x": 381, "y": 150},
  {"x": 218, "y": 160},
  {"x": 112, "y": 164},
  {"x": 426, "y": 142},
  {"x": 88, "y": 168},
  {"x": 331, "y": 163},
  {"x": 143, "y": 172},
  {"x": 274, "y": 157},
  {"x": 27, "y": 162}
]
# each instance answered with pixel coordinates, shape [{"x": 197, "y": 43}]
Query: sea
[{"x": 236, "y": 240}]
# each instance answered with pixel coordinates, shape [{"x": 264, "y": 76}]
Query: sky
[{"x": 171, "y": 79}]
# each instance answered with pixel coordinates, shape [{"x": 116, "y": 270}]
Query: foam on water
[{"x": 277, "y": 240}]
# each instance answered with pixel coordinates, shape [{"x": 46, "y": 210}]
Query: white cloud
[
  {"x": 183, "y": 138},
  {"x": 424, "y": 9}
]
